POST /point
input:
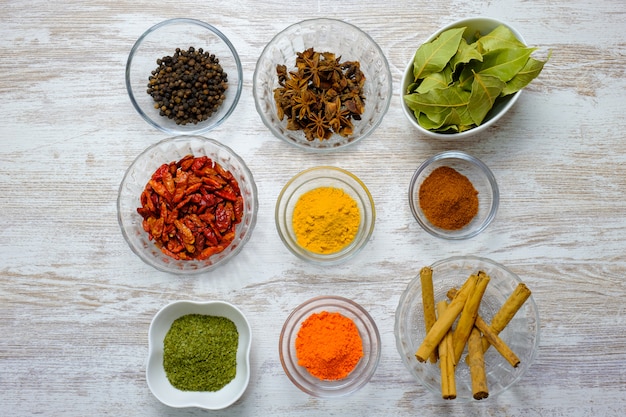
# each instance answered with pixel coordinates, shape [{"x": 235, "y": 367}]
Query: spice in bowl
[
  {"x": 190, "y": 208},
  {"x": 448, "y": 199},
  {"x": 322, "y": 96},
  {"x": 200, "y": 352},
  {"x": 329, "y": 345},
  {"x": 188, "y": 86},
  {"x": 326, "y": 220}
]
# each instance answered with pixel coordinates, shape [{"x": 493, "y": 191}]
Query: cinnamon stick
[
  {"x": 492, "y": 338},
  {"x": 468, "y": 315},
  {"x": 476, "y": 362},
  {"x": 445, "y": 321},
  {"x": 428, "y": 302},
  {"x": 510, "y": 307},
  {"x": 448, "y": 381}
]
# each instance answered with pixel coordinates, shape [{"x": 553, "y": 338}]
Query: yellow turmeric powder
[{"x": 325, "y": 220}]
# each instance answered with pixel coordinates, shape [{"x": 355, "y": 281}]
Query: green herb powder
[{"x": 200, "y": 352}]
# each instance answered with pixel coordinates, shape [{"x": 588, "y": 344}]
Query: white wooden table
[{"x": 76, "y": 303}]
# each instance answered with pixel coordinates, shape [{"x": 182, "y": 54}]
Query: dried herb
[
  {"x": 188, "y": 86},
  {"x": 322, "y": 96},
  {"x": 200, "y": 352},
  {"x": 457, "y": 83}
]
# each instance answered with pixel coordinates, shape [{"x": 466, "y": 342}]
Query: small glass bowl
[
  {"x": 324, "y": 35},
  {"x": 364, "y": 370},
  {"x": 155, "y": 373},
  {"x": 475, "y": 24},
  {"x": 162, "y": 40},
  {"x": 521, "y": 334},
  {"x": 324, "y": 176},
  {"x": 481, "y": 177},
  {"x": 140, "y": 172}
]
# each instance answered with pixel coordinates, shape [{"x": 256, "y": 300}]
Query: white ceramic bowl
[
  {"x": 155, "y": 373},
  {"x": 502, "y": 106},
  {"x": 324, "y": 35},
  {"x": 521, "y": 334},
  {"x": 364, "y": 369},
  {"x": 162, "y": 40}
]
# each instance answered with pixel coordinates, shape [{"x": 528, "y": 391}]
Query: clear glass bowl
[
  {"x": 140, "y": 172},
  {"x": 156, "y": 377},
  {"x": 324, "y": 35},
  {"x": 521, "y": 334},
  {"x": 162, "y": 40},
  {"x": 481, "y": 177},
  {"x": 324, "y": 176},
  {"x": 364, "y": 370},
  {"x": 473, "y": 25}
]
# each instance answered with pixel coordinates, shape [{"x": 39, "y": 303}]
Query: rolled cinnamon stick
[
  {"x": 493, "y": 338},
  {"x": 510, "y": 307},
  {"x": 448, "y": 381},
  {"x": 477, "y": 365},
  {"x": 445, "y": 321},
  {"x": 428, "y": 302},
  {"x": 468, "y": 315}
]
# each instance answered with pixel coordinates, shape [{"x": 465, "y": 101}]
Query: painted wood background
[{"x": 76, "y": 303}]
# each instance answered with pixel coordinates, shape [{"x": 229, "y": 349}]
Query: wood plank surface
[{"x": 76, "y": 303}]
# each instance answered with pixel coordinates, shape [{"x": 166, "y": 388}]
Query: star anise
[{"x": 322, "y": 96}]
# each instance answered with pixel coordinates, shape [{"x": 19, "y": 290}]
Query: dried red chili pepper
[{"x": 190, "y": 208}]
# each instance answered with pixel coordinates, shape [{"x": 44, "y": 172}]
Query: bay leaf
[
  {"x": 440, "y": 79},
  {"x": 505, "y": 63},
  {"x": 485, "y": 91},
  {"x": 433, "y": 56},
  {"x": 435, "y": 103},
  {"x": 465, "y": 53},
  {"x": 499, "y": 38},
  {"x": 530, "y": 71}
]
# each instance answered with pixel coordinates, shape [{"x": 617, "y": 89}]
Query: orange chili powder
[
  {"x": 448, "y": 198},
  {"x": 329, "y": 345}
]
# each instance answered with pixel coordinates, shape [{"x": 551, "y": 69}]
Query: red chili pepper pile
[{"x": 190, "y": 208}]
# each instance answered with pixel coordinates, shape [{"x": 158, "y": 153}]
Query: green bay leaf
[
  {"x": 464, "y": 54},
  {"x": 505, "y": 63},
  {"x": 440, "y": 79},
  {"x": 530, "y": 71},
  {"x": 499, "y": 38},
  {"x": 434, "y": 56},
  {"x": 485, "y": 91}
]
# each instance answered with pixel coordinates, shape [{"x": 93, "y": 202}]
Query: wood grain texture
[{"x": 76, "y": 303}]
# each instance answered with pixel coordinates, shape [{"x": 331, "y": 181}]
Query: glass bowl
[
  {"x": 481, "y": 178},
  {"x": 140, "y": 172},
  {"x": 521, "y": 334},
  {"x": 162, "y": 40},
  {"x": 363, "y": 371},
  {"x": 156, "y": 377},
  {"x": 324, "y": 176},
  {"x": 500, "y": 108},
  {"x": 324, "y": 35}
]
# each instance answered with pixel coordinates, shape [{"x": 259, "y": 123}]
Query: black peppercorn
[{"x": 188, "y": 86}]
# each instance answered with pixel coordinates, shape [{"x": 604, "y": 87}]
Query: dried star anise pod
[{"x": 322, "y": 96}]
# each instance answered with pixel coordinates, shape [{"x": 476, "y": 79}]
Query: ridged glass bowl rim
[
  {"x": 336, "y": 257},
  {"x": 328, "y": 389},
  {"x": 313, "y": 22},
  {"x": 407, "y": 292},
  {"x": 205, "y": 126},
  {"x": 464, "y": 156}
]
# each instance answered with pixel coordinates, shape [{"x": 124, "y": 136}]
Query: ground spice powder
[
  {"x": 448, "y": 199},
  {"x": 200, "y": 352},
  {"x": 325, "y": 220},
  {"x": 329, "y": 345}
]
